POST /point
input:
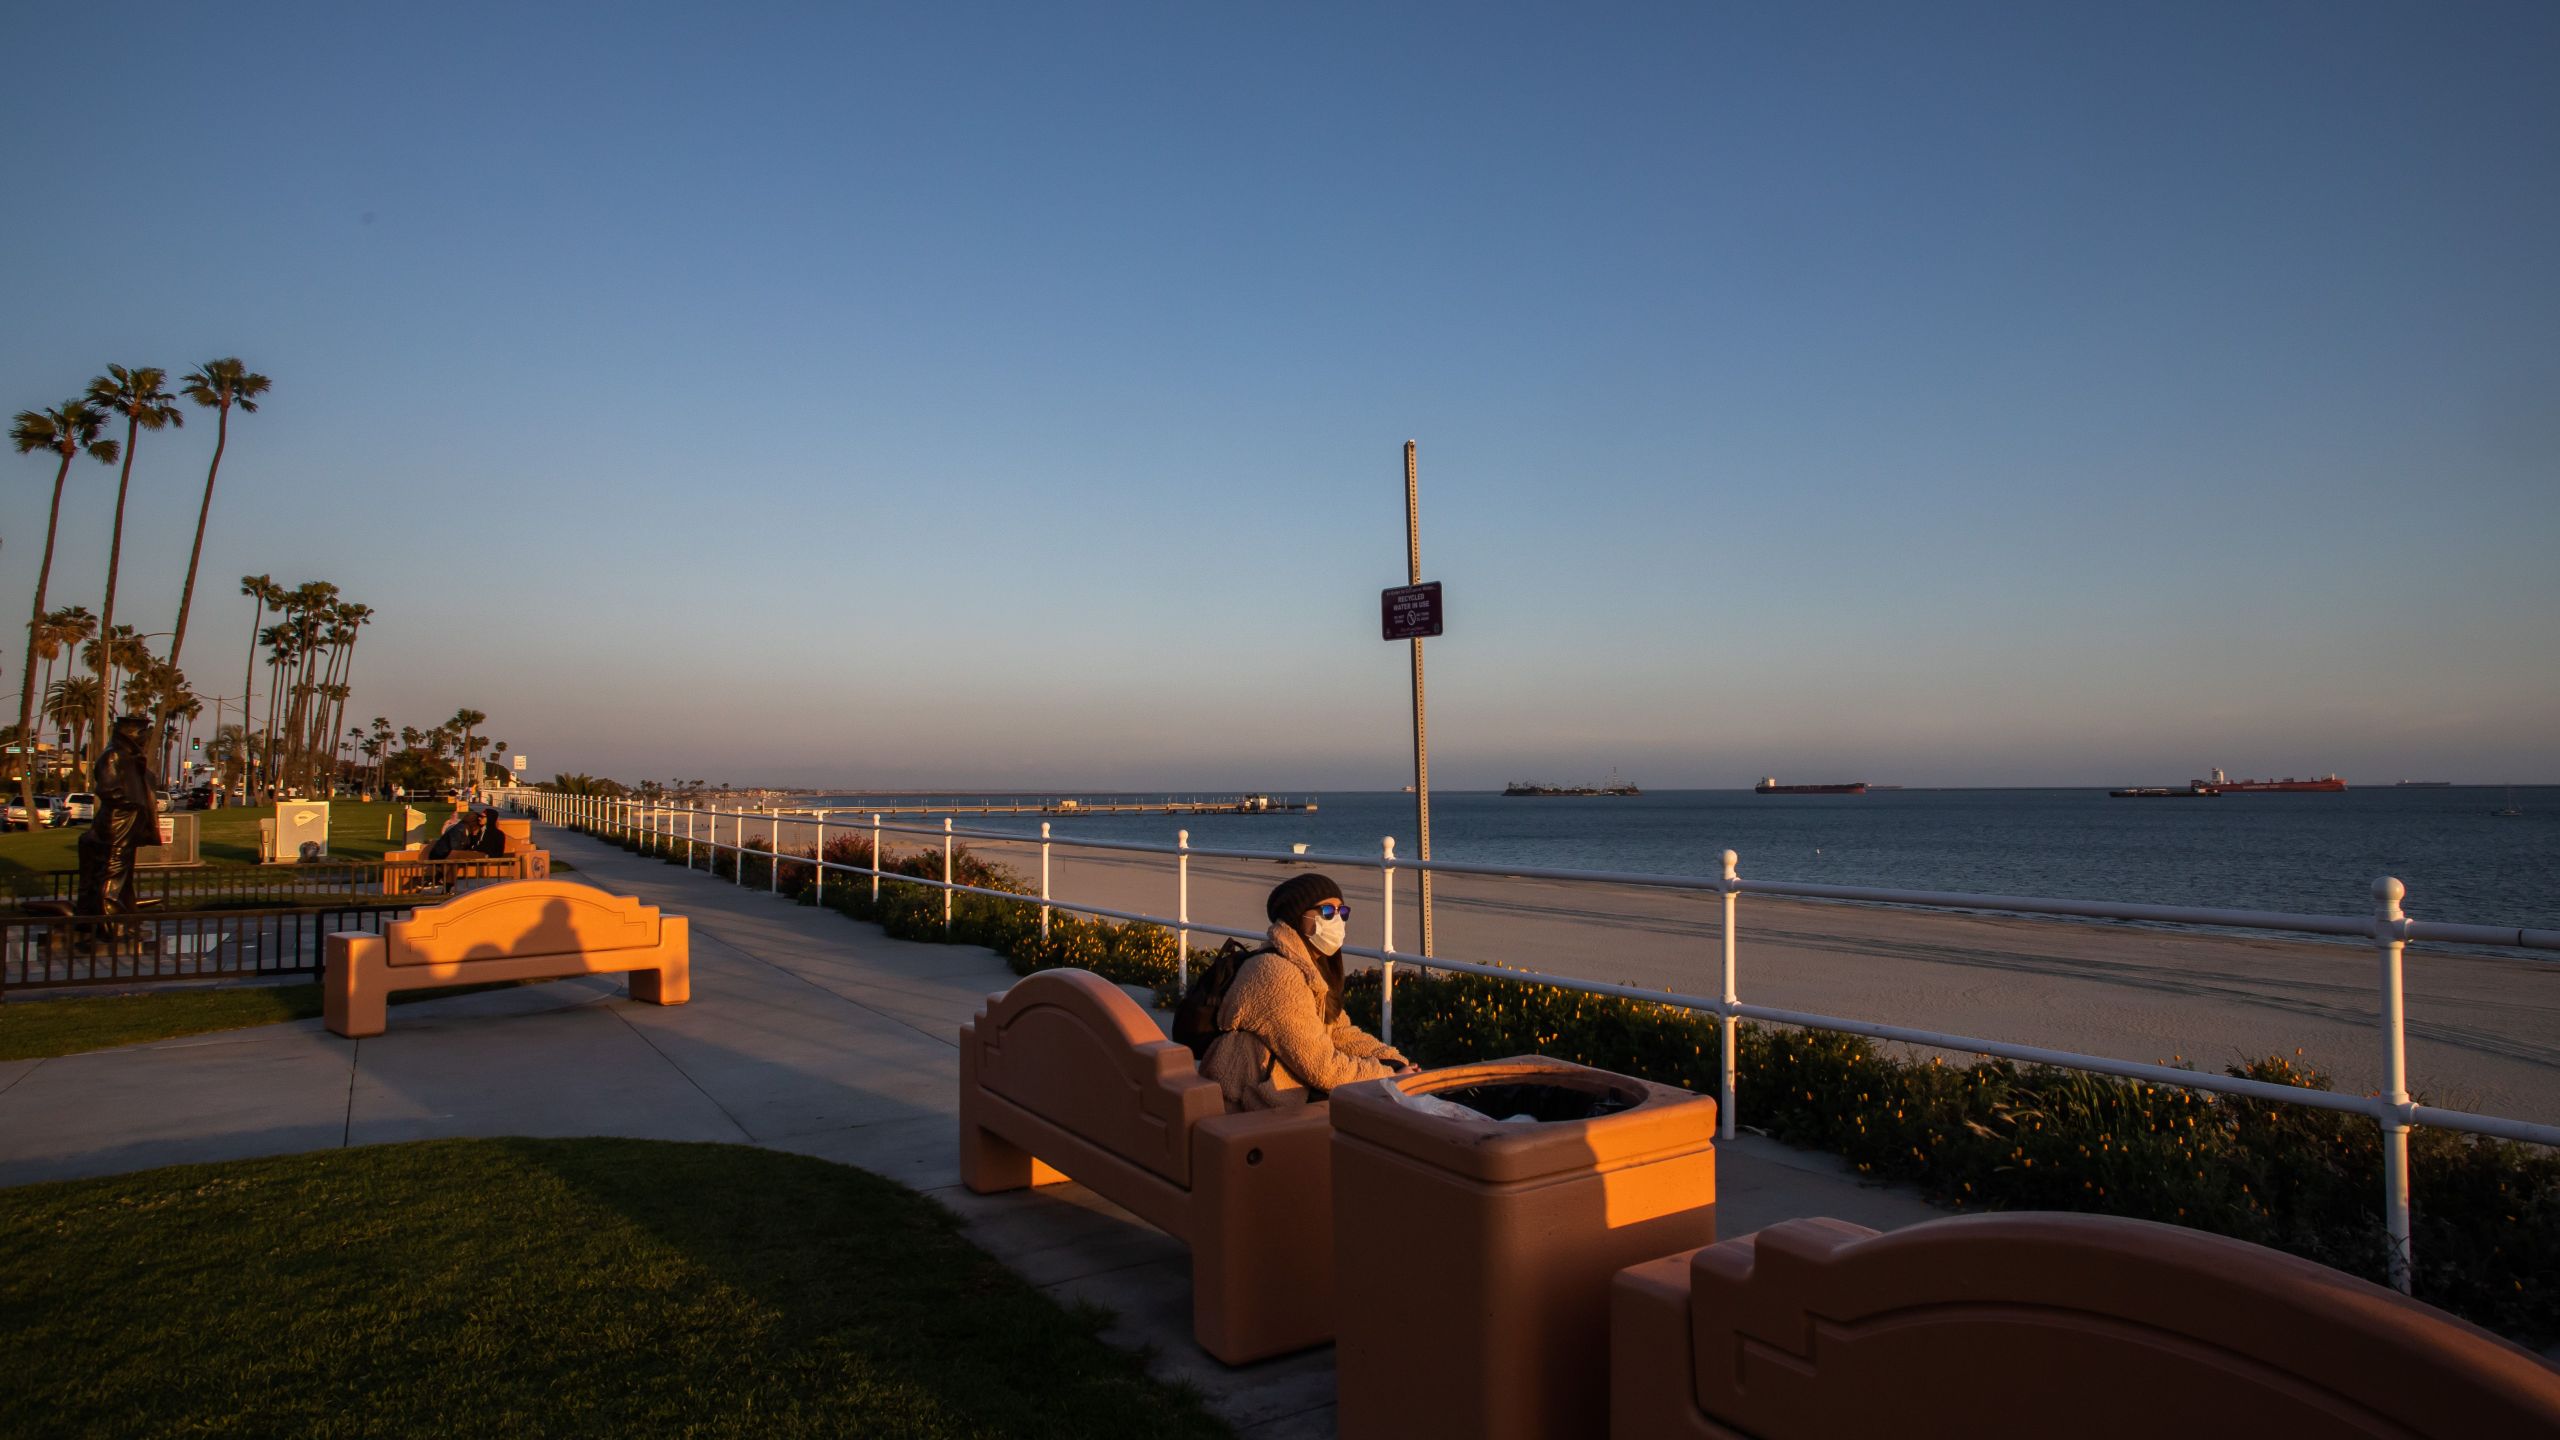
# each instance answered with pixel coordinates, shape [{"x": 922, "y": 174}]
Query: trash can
[{"x": 1473, "y": 1251}]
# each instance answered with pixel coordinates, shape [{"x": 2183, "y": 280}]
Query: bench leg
[
  {"x": 989, "y": 1163},
  {"x": 670, "y": 984},
  {"x": 354, "y": 990}
]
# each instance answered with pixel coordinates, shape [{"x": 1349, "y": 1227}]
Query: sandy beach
[{"x": 2484, "y": 1032}]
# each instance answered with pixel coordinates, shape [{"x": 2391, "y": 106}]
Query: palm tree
[
  {"x": 464, "y": 720},
  {"x": 63, "y": 631},
  {"x": 279, "y": 639},
  {"x": 219, "y": 384},
  {"x": 137, "y": 395},
  {"x": 122, "y": 649},
  {"x": 306, "y": 620},
  {"x": 381, "y": 748},
  {"x": 230, "y": 746},
  {"x": 68, "y": 430},
  {"x": 351, "y": 620},
  {"x": 263, "y": 590},
  {"x": 73, "y": 702}
]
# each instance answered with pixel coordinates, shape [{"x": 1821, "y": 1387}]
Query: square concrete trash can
[{"x": 1473, "y": 1258}]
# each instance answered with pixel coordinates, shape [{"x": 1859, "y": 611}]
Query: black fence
[
  {"x": 317, "y": 883},
  {"x": 40, "y": 950}
]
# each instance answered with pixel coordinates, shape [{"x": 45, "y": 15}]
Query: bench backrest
[
  {"x": 519, "y": 918},
  {"x": 1069, "y": 1047},
  {"x": 2050, "y": 1324}
]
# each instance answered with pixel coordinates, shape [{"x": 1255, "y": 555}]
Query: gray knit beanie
[{"x": 1299, "y": 894}]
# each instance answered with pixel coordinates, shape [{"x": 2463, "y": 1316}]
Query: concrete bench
[
  {"x": 2035, "y": 1324},
  {"x": 408, "y": 871},
  {"x": 1064, "y": 1077},
  {"x": 507, "y": 930}
]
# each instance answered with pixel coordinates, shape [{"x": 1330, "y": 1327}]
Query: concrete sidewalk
[{"x": 807, "y": 1032}]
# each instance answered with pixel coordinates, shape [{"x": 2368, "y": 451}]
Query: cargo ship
[
  {"x": 1614, "y": 787},
  {"x": 1769, "y": 786},
  {"x": 2228, "y": 785}
]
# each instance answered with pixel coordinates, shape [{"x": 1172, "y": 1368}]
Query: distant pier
[{"x": 1240, "y": 805}]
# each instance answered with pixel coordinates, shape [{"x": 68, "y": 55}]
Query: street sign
[
  {"x": 519, "y": 764},
  {"x": 1410, "y": 612}
]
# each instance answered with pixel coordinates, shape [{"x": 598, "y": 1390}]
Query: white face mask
[{"x": 1330, "y": 934}]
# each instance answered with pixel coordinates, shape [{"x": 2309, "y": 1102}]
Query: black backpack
[{"x": 1195, "y": 1016}]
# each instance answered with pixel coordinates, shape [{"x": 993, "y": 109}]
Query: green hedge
[{"x": 2485, "y": 1214}]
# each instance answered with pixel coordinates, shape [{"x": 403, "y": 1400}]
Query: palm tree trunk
[
  {"x": 115, "y": 558},
  {"x": 187, "y": 594},
  {"x": 298, "y": 707},
  {"x": 267, "y": 770},
  {"x": 27, "y": 690},
  {"x": 248, "y": 691},
  {"x": 315, "y": 710},
  {"x": 338, "y": 722}
]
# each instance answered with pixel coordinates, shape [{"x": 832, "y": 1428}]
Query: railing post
[
  {"x": 1182, "y": 910},
  {"x": 2390, "y": 941},
  {"x": 688, "y": 837},
  {"x": 738, "y": 848},
  {"x": 1044, "y": 880},
  {"x": 1729, "y": 1033},
  {"x": 819, "y": 872},
  {"x": 1387, "y": 939},
  {"x": 875, "y": 858},
  {"x": 774, "y": 839},
  {"x": 946, "y": 874}
]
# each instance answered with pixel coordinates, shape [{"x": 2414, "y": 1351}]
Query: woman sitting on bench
[{"x": 1283, "y": 1038}]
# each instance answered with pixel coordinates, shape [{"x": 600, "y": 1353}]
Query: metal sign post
[{"x": 1410, "y": 614}]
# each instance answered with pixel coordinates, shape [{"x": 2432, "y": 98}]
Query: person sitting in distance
[
  {"x": 471, "y": 833},
  {"x": 1283, "y": 1037}
]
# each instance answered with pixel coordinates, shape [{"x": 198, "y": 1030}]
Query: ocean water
[{"x": 2317, "y": 853}]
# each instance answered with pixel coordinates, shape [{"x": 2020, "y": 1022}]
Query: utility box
[
  {"x": 299, "y": 831},
  {"x": 1474, "y": 1251},
  {"x": 177, "y": 843}
]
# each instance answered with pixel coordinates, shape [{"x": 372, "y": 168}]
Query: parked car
[
  {"x": 80, "y": 807},
  {"x": 48, "y": 813}
]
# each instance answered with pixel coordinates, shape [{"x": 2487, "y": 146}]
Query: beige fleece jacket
[{"x": 1274, "y": 1020}]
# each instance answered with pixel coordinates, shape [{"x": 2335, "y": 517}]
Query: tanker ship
[
  {"x": 1769, "y": 786},
  {"x": 2230, "y": 786}
]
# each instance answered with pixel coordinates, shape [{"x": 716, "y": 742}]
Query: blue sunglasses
[{"x": 1334, "y": 910}]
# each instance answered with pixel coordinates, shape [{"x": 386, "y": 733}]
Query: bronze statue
[{"x": 128, "y": 818}]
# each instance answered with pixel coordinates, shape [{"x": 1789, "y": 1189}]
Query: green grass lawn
[
  {"x": 357, "y": 831},
  {"x": 41, "y": 1029},
  {"x": 536, "y": 1288},
  {"x": 36, "y": 1029},
  {"x": 224, "y": 837}
]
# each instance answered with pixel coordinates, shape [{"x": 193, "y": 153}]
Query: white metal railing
[{"x": 2389, "y": 929}]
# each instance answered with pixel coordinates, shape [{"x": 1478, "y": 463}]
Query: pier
[{"x": 1241, "y": 805}]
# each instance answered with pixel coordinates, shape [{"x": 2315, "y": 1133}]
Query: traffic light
[{"x": 196, "y": 744}]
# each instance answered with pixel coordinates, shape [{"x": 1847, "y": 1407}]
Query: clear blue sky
[{"x": 1015, "y": 395}]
